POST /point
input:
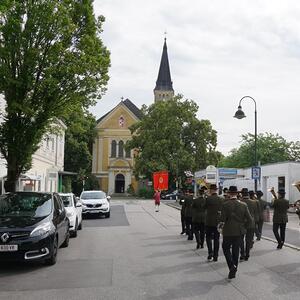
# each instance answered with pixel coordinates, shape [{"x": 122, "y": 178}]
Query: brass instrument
[{"x": 272, "y": 190}]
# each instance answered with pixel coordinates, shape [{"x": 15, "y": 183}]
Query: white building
[
  {"x": 277, "y": 175},
  {"x": 47, "y": 162}
]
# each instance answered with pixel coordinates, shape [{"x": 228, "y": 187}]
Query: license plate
[
  {"x": 94, "y": 211},
  {"x": 8, "y": 248}
]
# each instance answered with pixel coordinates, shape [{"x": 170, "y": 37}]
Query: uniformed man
[
  {"x": 188, "y": 214},
  {"x": 198, "y": 217},
  {"x": 280, "y": 217},
  {"x": 235, "y": 218},
  {"x": 182, "y": 216},
  {"x": 262, "y": 205},
  {"x": 247, "y": 239},
  {"x": 213, "y": 208}
]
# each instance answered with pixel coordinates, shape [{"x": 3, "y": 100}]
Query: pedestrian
[
  {"x": 182, "y": 212},
  {"x": 280, "y": 216},
  {"x": 247, "y": 239},
  {"x": 225, "y": 194},
  {"x": 198, "y": 218},
  {"x": 262, "y": 206},
  {"x": 235, "y": 218},
  {"x": 213, "y": 207},
  {"x": 188, "y": 214},
  {"x": 157, "y": 200}
]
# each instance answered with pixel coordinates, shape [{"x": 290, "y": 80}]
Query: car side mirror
[
  {"x": 78, "y": 204},
  {"x": 108, "y": 198}
]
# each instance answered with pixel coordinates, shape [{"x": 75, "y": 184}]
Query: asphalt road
[{"x": 139, "y": 254}]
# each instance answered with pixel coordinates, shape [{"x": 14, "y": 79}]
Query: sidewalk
[{"x": 292, "y": 232}]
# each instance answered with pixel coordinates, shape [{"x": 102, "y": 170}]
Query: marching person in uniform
[
  {"x": 247, "y": 239},
  {"x": 213, "y": 208},
  {"x": 235, "y": 218},
  {"x": 188, "y": 214},
  {"x": 280, "y": 217},
  {"x": 198, "y": 217},
  {"x": 262, "y": 206}
]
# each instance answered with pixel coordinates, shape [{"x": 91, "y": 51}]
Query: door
[{"x": 120, "y": 183}]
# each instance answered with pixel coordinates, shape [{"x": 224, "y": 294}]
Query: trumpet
[
  {"x": 297, "y": 185},
  {"x": 272, "y": 190}
]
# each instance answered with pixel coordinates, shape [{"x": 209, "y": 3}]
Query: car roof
[
  {"x": 65, "y": 194},
  {"x": 93, "y": 191}
]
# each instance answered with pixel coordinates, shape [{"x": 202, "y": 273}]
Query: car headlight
[
  {"x": 70, "y": 214},
  {"x": 42, "y": 229}
]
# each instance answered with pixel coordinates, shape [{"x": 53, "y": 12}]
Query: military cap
[
  {"x": 245, "y": 191},
  {"x": 251, "y": 193},
  {"x": 232, "y": 189},
  {"x": 259, "y": 193}
]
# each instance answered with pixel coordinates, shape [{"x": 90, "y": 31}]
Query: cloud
[{"x": 219, "y": 51}]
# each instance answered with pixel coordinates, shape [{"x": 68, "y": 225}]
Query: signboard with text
[{"x": 256, "y": 173}]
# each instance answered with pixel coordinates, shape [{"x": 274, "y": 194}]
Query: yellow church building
[{"x": 112, "y": 165}]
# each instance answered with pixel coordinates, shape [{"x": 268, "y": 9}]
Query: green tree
[
  {"x": 270, "y": 149},
  {"x": 80, "y": 136},
  {"x": 51, "y": 60},
  {"x": 170, "y": 137}
]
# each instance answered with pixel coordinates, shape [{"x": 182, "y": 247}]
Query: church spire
[{"x": 164, "y": 85}]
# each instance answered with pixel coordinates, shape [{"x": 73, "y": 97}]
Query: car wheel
[
  {"x": 65, "y": 244},
  {"x": 107, "y": 215},
  {"x": 74, "y": 233},
  {"x": 53, "y": 258}
]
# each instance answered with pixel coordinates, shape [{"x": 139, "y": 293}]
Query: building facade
[{"x": 112, "y": 165}]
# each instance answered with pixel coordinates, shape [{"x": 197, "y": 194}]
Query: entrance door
[{"x": 120, "y": 183}]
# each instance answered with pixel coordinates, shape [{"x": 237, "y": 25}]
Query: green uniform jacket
[
  {"x": 188, "y": 206},
  {"x": 198, "y": 210},
  {"x": 262, "y": 205},
  {"x": 213, "y": 208},
  {"x": 236, "y": 218},
  {"x": 281, "y": 206},
  {"x": 253, "y": 209}
]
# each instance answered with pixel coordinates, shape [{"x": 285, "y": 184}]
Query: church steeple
[{"x": 164, "y": 85}]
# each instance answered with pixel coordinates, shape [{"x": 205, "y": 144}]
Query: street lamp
[{"x": 240, "y": 115}]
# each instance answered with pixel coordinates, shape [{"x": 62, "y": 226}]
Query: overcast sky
[{"x": 218, "y": 51}]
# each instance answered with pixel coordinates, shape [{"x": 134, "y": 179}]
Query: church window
[
  {"x": 121, "y": 149},
  {"x": 113, "y": 148}
]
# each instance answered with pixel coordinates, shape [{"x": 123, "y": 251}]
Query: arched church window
[
  {"x": 113, "y": 148},
  {"x": 121, "y": 149}
]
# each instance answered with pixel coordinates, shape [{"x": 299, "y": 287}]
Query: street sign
[{"x": 256, "y": 173}]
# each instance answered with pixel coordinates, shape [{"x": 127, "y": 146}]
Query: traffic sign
[{"x": 256, "y": 171}]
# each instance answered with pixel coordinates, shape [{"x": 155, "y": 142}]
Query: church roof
[
  {"x": 164, "y": 82},
  {"x": 132, "y": 107}
]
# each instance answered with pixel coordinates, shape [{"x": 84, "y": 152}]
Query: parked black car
[
  {"x": 170, "y": 195},
  {"x": 32, "y": 226}
]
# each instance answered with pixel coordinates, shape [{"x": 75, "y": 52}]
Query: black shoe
[
  {"x": 232, "y": 272},
  {"x": 258, "y": 238},
  {"x": 215, "y": 259},
  {"x": 189, "y": 239},
  {"x": 182, "y": 232},
  {"x": 202, "y": 246},
  {"x": 242, "y": 258},
  {"x": 198, "y": 246},
  {"x": 280, "y": 245},
  {"x": 209, "y": 257},
  {"x": 246, "y": 258}
]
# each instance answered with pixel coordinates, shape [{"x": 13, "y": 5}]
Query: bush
[
  {"x": 146, "y": 193},
  {"x": 130, "y": 190}
]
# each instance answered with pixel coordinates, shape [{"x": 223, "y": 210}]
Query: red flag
[{"x": 161, "y": 180}]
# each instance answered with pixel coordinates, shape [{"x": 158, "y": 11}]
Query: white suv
[{"x": 95, "y": 202}]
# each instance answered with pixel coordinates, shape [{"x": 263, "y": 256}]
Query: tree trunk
[{"x": 12, "y": 174}]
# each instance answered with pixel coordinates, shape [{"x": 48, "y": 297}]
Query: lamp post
[{"x": 240, "y": 115}]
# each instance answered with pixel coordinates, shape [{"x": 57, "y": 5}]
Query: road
[{"x": 139, "y": 254}]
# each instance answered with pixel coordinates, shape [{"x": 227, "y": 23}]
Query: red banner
[{"x": 161, "y": 180}]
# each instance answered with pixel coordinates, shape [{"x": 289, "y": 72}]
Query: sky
[{"x": 219, "y": 51}]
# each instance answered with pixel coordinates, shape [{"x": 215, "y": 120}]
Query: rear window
[
  {"x": 67, "y": 200},
  {"x": 93, "y": 195}
]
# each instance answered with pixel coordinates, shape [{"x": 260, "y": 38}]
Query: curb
[{"x": 263, "y": 237}]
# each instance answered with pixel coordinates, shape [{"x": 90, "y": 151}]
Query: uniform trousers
[
  {"x": 189, "y": 227},
  {"x": 258, "y": 228},
  {"x": 247, "y": 242},
  {"x": 182, "y": 221},
  {"x": 231, "y": 249},
  {"x": 212, "y": 234},
  {"x": 199, "y": 231},
  {"x": 279, "y": 237}
]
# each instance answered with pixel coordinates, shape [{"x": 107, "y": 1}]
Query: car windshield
[
  {"x": 34, "y": 205},
  {"x": 67, "y": 200},
  {"x": 93, "y": 195}
]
